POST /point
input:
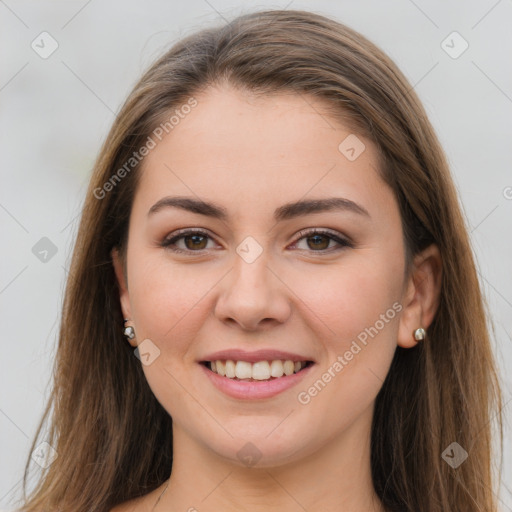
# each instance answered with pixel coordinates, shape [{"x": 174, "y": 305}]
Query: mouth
[{"x": 259, "y": 371}]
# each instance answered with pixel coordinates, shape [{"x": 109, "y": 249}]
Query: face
[{"x": 259, "y": 277}]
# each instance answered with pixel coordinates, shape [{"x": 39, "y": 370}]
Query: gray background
[{"x": 55, "y": 112}]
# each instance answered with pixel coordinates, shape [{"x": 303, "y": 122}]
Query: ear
[
  {"x": 421, "y": 295},
  {"x": 124, "y": 295}
]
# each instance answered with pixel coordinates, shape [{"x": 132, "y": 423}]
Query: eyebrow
[{"x": 285, "y": 212}]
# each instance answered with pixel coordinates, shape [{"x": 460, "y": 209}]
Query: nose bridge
[{"x": 252, "y": 295}]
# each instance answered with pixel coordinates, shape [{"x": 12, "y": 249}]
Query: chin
[{"x": 263, "y": 444}]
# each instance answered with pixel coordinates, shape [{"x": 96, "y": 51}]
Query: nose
[{"x": 252, "y": 296}]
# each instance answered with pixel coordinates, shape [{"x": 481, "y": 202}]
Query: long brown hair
[{"x": 114, "y": 440}]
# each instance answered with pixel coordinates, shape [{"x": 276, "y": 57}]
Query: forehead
[{"x": 260, "y": 151}]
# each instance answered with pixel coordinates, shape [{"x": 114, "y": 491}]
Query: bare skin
[{"x": 308, "y": 295}]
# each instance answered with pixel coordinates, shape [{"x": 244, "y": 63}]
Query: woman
[{"x": 272, "y": 293}]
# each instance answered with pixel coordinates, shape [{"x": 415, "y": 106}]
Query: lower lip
[{"x": 253, "y": 390}]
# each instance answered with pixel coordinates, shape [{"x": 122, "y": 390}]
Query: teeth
[
  {"x": 220, "y": 367},
  {"x": 288, "y": 367},
  {"x": 262, "y": 370},
  {"x": 230, "y": 369},
  {"x": 243, "y": 370},
  {"x": 276, "y": 369}
]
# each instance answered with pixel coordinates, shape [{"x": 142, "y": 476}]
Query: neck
[{"x": 337, "y": 477}]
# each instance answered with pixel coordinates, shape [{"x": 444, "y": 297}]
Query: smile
[
  {"x": 258, "y": 380},
  {"x": 258, "y": 371}
]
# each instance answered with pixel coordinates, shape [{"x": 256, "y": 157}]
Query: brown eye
[
  {"x": 187, "y": 241},
  {"x": 195, "y": 242},
  {"x": 320, "y": 242}
]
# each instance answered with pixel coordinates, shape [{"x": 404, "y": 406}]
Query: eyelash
[{"x": 342, "y": 242}]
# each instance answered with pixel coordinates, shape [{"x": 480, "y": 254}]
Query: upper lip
[{"x": 255, "y": 356}]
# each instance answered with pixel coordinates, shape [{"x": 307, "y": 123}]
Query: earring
[
  {"x": 419, "y": 334},
  {"x": 128, "y": 330}
]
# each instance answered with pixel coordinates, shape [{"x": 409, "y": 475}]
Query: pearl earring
[
  {"x": 419, "y": 334},
  {"x": 128, "y": 331}
]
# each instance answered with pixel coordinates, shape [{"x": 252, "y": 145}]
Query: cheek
[
  {"x": 168, "y": 305},
  {"x": 351, "y": 297},
  {"x": 359, "y": 308},
  {"x": 168, "y": 300}
]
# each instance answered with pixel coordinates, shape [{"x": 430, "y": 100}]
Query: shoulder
[
  {"x": 134, "y": 505},
  {"x": 144, "y": 503}
]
